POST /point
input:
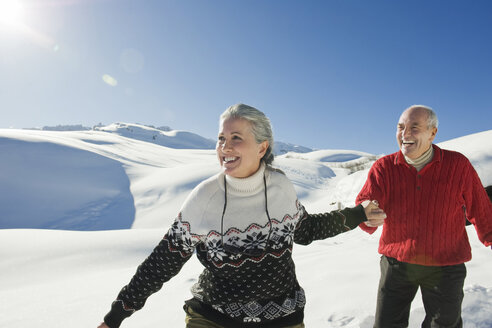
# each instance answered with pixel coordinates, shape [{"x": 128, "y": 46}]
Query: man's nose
[{"x": 405, "y": 132}]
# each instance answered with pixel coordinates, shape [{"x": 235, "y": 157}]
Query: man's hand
[{"x": 375, "y": 215}]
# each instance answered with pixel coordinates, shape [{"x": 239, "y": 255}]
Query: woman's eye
[
  {"x": 220, "y": 139},
  {"x": 236, "y": 138}
]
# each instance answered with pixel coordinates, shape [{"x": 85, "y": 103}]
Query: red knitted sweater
[{"x": 426, "y": 210}]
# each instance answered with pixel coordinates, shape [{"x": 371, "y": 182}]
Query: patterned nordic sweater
[
  {"x": 237, "y": 289},
  {"x": 426, "y": 210}
]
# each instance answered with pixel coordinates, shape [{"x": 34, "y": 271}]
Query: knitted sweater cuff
[
  {"x": 117, "y": 314},
  {"x": 354, "y": 216},
  {"x": 369, "y": 230}
]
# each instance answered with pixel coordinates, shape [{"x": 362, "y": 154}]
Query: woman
[{"x": 242, "y": 224}]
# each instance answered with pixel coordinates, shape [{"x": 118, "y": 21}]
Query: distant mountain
[
  {"x": 161, "y": 136},
  {"x": 281, "y": 148},
  {"x": 166, "y": 136},
  {"x": 74, "y": 127}
]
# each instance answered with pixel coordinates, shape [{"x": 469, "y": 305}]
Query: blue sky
[{"x": 329, "y": 74}]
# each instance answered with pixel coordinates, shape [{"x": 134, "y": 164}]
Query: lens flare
[
  {"x": 108, "y": 79},
  {"x": 11, "y": 12}
]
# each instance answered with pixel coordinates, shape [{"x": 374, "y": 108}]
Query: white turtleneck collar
[
  {"x": 246, "y": 186},
  {"x": 420, "y": 162}
]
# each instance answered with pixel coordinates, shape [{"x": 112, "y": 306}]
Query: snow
[
  {"x": 172, "y": 138},
  {"x": 165, "y": 136},
  {"x": 281, "y": 148},
  {"x": 81, "y": 209}
]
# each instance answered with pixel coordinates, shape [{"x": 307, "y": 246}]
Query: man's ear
[{"x": 434, "y": 132}]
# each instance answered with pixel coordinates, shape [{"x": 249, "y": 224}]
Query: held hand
[
  {"x": 375, "y": 215},
  {"x": 103, "y": 325}
]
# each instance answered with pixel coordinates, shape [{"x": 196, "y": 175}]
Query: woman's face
[{"x": 239, "y": 154}]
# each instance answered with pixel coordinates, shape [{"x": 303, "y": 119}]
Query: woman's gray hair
[
  {"x": 260, "y": 124},
  {"x": 432, "y": 121}
]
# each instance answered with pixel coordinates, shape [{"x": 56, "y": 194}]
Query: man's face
[{"x": 413, "y": 134}]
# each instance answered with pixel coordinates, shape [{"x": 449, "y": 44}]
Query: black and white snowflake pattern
[
  {"x": 283, "y": 235},
  {"x": 215, "y": 249},
  {"x": 255, "y": 311},
  {"x": 255, "y": 241},
  {"x": 180, "y": 235}
]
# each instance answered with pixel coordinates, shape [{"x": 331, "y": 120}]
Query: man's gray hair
[
  {"x": 260, "y": 124},
  {"x": 432, "y": 121}
]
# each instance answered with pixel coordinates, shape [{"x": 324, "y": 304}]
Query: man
[{"x": 426, "y": 193}]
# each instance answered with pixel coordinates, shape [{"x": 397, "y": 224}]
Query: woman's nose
[{"x": 226, "y": 146}]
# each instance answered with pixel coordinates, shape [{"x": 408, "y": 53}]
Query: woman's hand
[
  {"x": 103, "y": 325},
  {"x": 375, "y": 215}
]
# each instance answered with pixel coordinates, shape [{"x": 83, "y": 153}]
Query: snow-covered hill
[
  {"x": 93, "y": 180},
  {"x": 281, "y": 148},
  {"x": 70, "y": 191},
  {"x": 165, "y": 136},
  {"x": 172, "y": 138}
]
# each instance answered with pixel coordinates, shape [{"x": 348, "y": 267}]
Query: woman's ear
[{"x": 263, "y": 147}]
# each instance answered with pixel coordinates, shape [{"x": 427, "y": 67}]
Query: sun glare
[{"x": 10, "y": 12}]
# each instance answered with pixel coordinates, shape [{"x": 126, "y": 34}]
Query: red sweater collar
[{"x": 438, "y": 155}]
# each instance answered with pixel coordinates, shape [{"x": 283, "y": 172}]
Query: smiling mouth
[
  {"x": 407, "y": 143},
  {"x": 228, "y": 160}
]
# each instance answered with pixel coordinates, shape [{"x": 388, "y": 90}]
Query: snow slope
[
  {"x": 171, "y": 139},
  {"x": 81, "y": 209},
  {"x": 165, "y": 136}
]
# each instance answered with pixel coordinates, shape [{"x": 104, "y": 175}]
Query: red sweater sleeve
[
  {"x": 478, "y": 207},
  {"x": 372, "y": 190}
]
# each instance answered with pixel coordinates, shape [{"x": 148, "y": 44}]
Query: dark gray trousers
[{"x": 441, "y": 288}]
